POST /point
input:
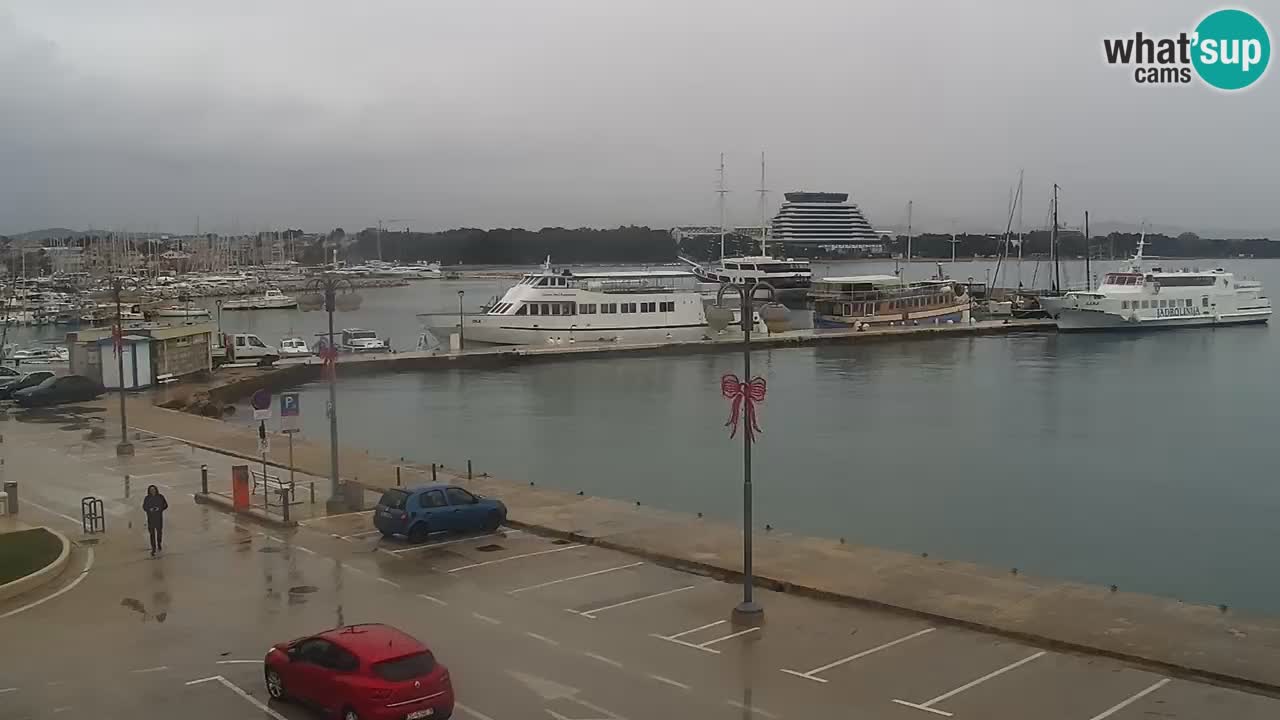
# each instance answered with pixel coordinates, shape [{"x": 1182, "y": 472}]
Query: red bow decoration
[
  {"x": 752, "y": 392},
  {"x": 329, "y": 355}
]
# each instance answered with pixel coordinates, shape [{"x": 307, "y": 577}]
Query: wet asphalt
[{"x": 530, "y": 626}]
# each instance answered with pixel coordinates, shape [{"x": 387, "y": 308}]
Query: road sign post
[
  {"x": 261, "y": 402},
  {"x": 290, "y": 422}
]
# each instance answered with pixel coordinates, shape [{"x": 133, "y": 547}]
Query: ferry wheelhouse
[
  {"x": 886, "y": 300},
  {"x": 627, "y": 306}
]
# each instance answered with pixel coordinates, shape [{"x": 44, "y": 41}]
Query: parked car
[
  {"x": 361, "y": 672},
  {"x": 8, "y": 373},
  {"x": 9, "y": 386},
  {"x": 415, "y": 512},
  {"x": 59, "y": 390}
]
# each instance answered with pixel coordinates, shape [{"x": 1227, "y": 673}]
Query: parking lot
[
  {"x": 807, "y": 652},
  {"x": 532, "y": 626}
]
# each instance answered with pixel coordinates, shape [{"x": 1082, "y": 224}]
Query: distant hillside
[{"x": 44, "y": 235}]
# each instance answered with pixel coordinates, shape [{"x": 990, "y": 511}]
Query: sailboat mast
[
  {"x": 764, "y": 231},
  {"x": 904, "y": 271},
  {"x": 721, "y": 191},
  {"x": 1088, "y": 274},
  {"x": 1020, "y": 228},
  {"x": 1053, "y": 244}
]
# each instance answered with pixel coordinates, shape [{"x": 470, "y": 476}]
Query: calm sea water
[{"x": 1142, "y": 460}]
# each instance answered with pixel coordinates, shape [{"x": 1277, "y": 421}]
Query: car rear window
[
  {"x": 394, "y": 499},
  {"x": 405, "y": 668}
]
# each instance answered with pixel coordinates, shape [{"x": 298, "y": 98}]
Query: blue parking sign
[{"x": 290, "y": 412}]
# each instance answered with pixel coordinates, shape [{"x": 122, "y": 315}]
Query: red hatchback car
[{"x": 361, "y": 672}]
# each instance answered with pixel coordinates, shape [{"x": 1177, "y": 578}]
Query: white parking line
[
  {"x": 751, "y": 709},
  {"x": 158, "y": 668},
  {"x": 486, "y": 618},
  {"x": 669, "y": 681},
  {"x": 306, "y": 550},
  {"x": 515, "y": 557},
  {"x": 1131, "y": 700},
  {"x": 7, "y": 690},
  {"x": 591, "y": 655},
  {"x": 676, "y": 638},
  {"x": 592, "y": 613},
  {"x": 927, "y": 706},
  {"x": 366, "y": 533},
  {"x": 435, "y": 600},
  {"x": 543, "y": 638},
  {"x": 239, "y": 662},
  {"x": 442, "y": 543},
  {"x": 67, "y": 588},
  {"x": 236, "y": 689},
  {"x": 813, "y": 674},
  {"x": 731, "y": 636},
  {"x": 575, "y": 577},
  {"x": 392, "y": 583},
  {"x": 68, "y": 518},
  {"x": 471, "y": 711},
  {"x": 690, "y": 632}
]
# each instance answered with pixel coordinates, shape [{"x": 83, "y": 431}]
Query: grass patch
[{"x": 26, "y": 551}]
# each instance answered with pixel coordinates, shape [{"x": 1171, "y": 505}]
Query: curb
[
  {"x": 1185, "y": 672},
  {"x": 221, "y": 503},
  {"x": 44, "y": 575}
]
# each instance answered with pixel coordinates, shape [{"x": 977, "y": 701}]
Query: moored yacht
[
  {"x": 876, "y": 300},
  {"x": 561, "y": 306},
  {"x": 1137, "y": 299},
  {"x": 272, "y": 299}
]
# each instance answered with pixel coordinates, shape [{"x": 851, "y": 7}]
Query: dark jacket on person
[{"x": 154, "y": 506}]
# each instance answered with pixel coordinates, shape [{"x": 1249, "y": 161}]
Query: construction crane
[{"x": 392, "y": 220}]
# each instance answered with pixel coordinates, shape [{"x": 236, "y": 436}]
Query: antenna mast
[
  {"x": 721, "y": 191},
  {"x": 764, "y": 230}
]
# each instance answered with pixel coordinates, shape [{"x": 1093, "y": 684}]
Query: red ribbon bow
[
  {"x": 329, "y": 355},
  {"x": 752, "y": 392}
]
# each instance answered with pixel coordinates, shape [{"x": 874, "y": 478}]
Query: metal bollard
[
  {"x": 313, "y": 492},
  {"x": 204, "y": 479},
  {"x": 433, "y": 472},
  {"x": 468, "y": 469},
  {"x": 126, "y": 485},
  {"x": 397, "y": 476},
  {"x": 11, "y": 489},
  {"x": 284, "y": 503}
]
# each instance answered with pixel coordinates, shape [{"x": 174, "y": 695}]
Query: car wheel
[
  {"x": 492, "y": 521},
  {"x": 418, "y": 533},
  {"x": 275, "y": 686},
  {"x": 350, "y": 714}
]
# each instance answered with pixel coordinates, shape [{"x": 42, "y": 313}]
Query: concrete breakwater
[{"x": 232, "y": 387}]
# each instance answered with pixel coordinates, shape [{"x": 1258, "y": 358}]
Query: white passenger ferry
[
  {"x": 553, "y": 307},
  {"x": 1136, "y": 299}
]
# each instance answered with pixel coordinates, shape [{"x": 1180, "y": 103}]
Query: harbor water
[{"x": 1140, "y": 460}]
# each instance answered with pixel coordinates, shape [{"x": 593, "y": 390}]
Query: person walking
[{"x": 154, "y": 506}]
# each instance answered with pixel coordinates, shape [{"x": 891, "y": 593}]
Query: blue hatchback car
[{"x": 416, "y": 512}]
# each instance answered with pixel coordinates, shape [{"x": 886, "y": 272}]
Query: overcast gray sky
[{"x": 319, "y": 113}]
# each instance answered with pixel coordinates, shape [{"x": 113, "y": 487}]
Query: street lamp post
[
  {"x": 747, "y": 612},
  {"x": 218, "y": 303},
  {"x": 325, "y": 294},
  {"x": 124, "y": 447},
  {"x": 461, "y": 333}
]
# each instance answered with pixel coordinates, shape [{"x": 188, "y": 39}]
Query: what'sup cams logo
[{"x": 1229, "y": 50}]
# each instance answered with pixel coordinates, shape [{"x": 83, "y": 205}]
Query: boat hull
[
  {"x": 958, "y": 313},
  {"x": 506, "y": 332},
  {"x": 1083, "y": 320}
]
